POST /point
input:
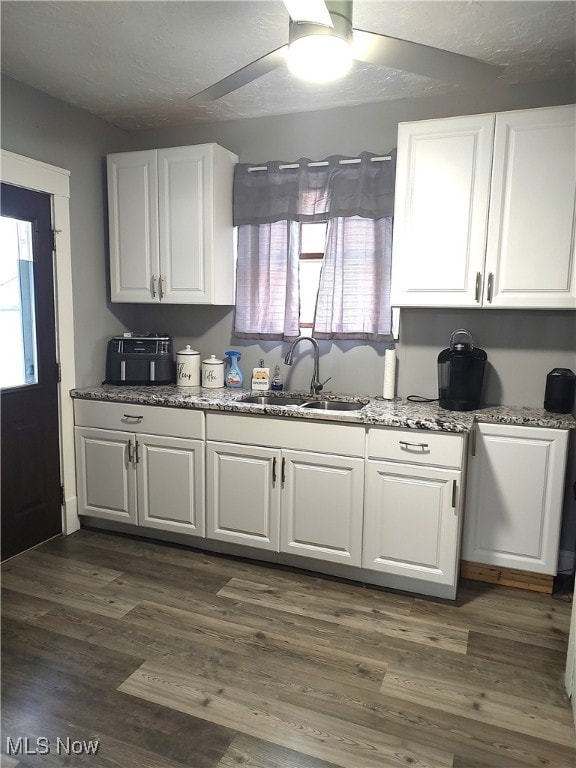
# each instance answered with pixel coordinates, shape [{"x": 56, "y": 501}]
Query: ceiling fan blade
[
  {"x": 312, "y": 11},
  {"x": 243, "y": 76},
  {"x": 421, "y": 59}
]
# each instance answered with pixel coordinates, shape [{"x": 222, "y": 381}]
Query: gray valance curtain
[
  {"x": 356, "y": 197},
  {"x": 308, "y": 191}
]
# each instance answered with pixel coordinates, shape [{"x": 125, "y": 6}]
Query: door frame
[{"x": 32, "y": 174}]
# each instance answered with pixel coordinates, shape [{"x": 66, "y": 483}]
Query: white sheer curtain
[
  {"x": 267, "y": 295},
  {"x": 356, "y": 196},
  {"x": 354, "y": 294}
]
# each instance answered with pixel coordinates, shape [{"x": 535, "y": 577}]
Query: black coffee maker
[{"x": 461, "y": 373}]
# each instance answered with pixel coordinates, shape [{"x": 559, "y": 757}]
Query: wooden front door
[{"x": 31, "y": 486}]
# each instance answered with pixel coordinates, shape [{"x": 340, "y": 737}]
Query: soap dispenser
[{"x": 234, "y": 375}]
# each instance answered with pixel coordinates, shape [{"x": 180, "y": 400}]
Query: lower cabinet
[
  {"x": 412, "y": 515},
  {"x": 515, "y": 495},
  {"x": 155, "y": 481},
  {"x": 273, "y": 497}
]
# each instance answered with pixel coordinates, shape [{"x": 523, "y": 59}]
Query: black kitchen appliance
[
  {"x": 461, "y": 373},
  {"x": 140, "y": 358},
  {"x": 560, "y": 390}
]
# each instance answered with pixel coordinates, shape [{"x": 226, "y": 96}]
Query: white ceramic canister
[
  {"x": 187, "y": 367},
  {"x": 212, "y": 373}
]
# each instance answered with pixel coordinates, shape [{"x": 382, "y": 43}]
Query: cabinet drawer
[
  {"x": 416, "y": 447},
  {"x": 145, "y": 419}
]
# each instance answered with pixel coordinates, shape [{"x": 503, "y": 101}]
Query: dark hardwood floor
[{"x": 169, "y": 657}]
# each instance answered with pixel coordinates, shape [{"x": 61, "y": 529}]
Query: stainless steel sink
[
  {"x": 335, "y": 405},
  {"x": 273, "y": 400}
]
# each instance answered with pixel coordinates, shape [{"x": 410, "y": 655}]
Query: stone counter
[{"x": 387, "y": 413}]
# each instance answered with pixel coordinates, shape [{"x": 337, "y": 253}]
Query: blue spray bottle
[{"x": 234, "y": 374}]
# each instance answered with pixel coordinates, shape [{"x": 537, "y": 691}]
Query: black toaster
[{"x": 144, "y": 358}]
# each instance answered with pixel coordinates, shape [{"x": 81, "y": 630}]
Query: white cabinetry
[
  {"x": 263, "y": 492},
  {"x": 514, "y": 499},
  {"x": 485, "y": 209},
  {"x": 170, "y": 224},
  {"x": 412, "y": 516},
  {"x": 136, "y": 474},
  {"x": 243, "y": 503}
]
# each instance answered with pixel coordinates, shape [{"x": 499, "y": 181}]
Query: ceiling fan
[{"x": 315, "y": 22}]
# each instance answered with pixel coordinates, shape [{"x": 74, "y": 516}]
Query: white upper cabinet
[
  {"x": 485, "y": 209},
  {"x": 170, "y": 222},
  {"x": 530, "y": 249},
  {"x": 441, "y": 211}
]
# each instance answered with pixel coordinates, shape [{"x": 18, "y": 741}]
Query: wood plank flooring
[{"x": 170, "y": 657}]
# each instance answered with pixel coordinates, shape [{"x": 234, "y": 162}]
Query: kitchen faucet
[{"x": 315, "y": 385}]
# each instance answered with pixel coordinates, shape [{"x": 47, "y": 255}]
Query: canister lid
[
  {"x": 188, "y": 351},
  {"x": 213, "y": 360}
]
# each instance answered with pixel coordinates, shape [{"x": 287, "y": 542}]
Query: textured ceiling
[{"x": 136, "y": 63}]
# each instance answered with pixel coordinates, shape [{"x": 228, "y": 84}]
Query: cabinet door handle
[
  {"x": 406, "y": 444},
  {"x": 454, "y": 490},
  {"x": 160, "y": 287},
  {"x": 490, "y": 286},
  {"x": 130, "y": 452},
  {"x": 478, "y": 286},
  {"x": 473, "y": 445},
  {"x": 274, "y": 470},
  {"x": 153, "y": 286},
  {"x": 137, "y": 452},
  {"x": 283, "y": 471}
]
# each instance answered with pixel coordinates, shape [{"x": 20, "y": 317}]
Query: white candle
[{"x": 389, "y": 374}]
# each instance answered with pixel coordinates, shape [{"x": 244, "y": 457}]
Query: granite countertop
[{"x": 388, "y": 413}]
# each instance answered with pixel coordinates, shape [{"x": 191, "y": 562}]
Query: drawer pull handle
[
  {"x": 131, "y": 417},
  {"x": 406, "y": 444}
]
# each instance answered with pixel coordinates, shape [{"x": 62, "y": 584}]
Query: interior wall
[
  {"x": 43, "y": 128},
  {"x": 531, "y": 341}
]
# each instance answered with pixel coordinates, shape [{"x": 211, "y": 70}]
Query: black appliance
[
  {"x": 140, "y": 358},
  {"x": 560, "y": 390},
  {"x": 461, "y": 373}
]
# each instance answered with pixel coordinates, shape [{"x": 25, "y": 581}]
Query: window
[{"x": 314, "y": 248}]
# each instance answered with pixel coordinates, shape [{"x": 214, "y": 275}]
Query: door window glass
[{"x": 17, "y": 317}]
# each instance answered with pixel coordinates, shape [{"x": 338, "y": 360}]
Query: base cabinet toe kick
[{"x": 380, "y": 505}]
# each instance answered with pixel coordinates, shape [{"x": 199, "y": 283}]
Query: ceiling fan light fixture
[{"x": 319, "y": 58}]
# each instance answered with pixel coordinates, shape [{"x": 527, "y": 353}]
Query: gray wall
[
  {"x": 46, "y": 129},
  {"x": 532, "y": 342}
]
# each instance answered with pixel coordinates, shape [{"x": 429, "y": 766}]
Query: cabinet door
[
  {"x": 530, "y": 252},
  {"x": 184, "y": 183},
  {"x": 105, "y": 475},
  {"x": 322, "y": 505},
  {"x": 514, "y": 499},
  {"x": 411, "y": 521},
  {"x": 170, "y": 475},
  {"x": 441, "y": 211},
  {"x": 133, "y": 226},
  {"x": 243, "y": 494}
]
